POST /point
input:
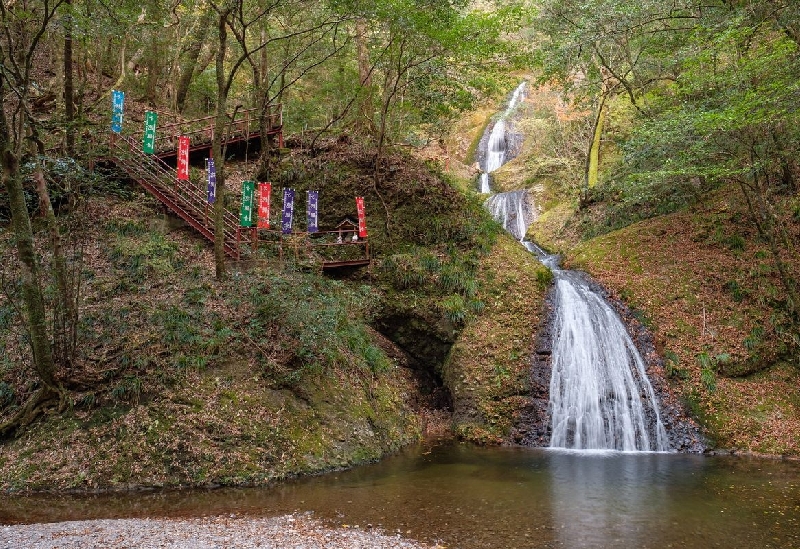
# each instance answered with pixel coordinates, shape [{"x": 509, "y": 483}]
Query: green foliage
[
  {"x": 193, "y": 337},
  {"x": 321, "y": 324},
  {"x": 142, "y": 258},
  {"x": 709, "y": 366},
  {"x": 754, "y": 338},
  {"x": 671, "y": 366},
  {"x": 454, "y": 308},
  {"x": 126, "y": 227},
  {"x": 7, "y": 394},
  {"x": 128, "y": 389},
  {"x": 737, "y": 292},
  {"x": 8, "y": 314},
  {"x": 544, "y": 277}
]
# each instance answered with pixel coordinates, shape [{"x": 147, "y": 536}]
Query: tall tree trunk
[
  {"x": 65, "y": 313},
  {"x": 262, "y": 100},
  {"x": 593, "y": 155},
  {"x": 69, "y": 102},
  {"x": 32, "y": 295},
  {"x": 220, "y": 122},
  {"x": 365, "y": 122},
  {"x": 154, "y": 64},
  {"x": 188, "y": 61}
]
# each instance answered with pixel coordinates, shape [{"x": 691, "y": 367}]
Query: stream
[{"x": 503, "y": 498}]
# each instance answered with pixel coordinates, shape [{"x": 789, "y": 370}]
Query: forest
[{"x": 660, "y": 148}]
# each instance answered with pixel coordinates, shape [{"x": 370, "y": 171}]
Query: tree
[
  {"x": 24, "y": 25},
  {"x": 730, "y": 116},
  {"x": 420, "y": 59},
  {"x": 608, "y": 47},
  {"x": 190, "y": 55}
]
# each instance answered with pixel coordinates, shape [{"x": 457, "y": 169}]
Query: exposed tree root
[{"x": 43, "y": 399}]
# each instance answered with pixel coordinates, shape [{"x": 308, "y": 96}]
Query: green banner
[
  {"x": 246, "y": 215},
  {"x": 149, "y": 142}
]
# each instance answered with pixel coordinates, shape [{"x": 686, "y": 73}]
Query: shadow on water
[{"x": 476, "y": 498}]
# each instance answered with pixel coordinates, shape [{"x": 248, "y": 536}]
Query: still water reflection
[{"x": 476, "y": 498}]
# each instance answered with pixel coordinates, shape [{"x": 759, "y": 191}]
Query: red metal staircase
[{"x": 185, "y": 198}]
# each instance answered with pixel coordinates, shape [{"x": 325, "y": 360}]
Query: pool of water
[{"x": 474, "y": 498}]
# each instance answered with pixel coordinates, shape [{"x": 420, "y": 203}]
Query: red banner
[
  {"x": 264, "y": 192},
  {"x": 362, "y": 218},
  {"x": 183, "y": 157}
]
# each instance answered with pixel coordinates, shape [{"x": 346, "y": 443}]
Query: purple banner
[
  {"x": 212, "y": 180},
  {"x": 288, "y": 211},
  {"x": 313, "y": 202}
]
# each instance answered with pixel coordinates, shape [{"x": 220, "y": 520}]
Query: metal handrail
[
  {"x": 201, "y": 130},
  {"x": 186, "y": 200}
]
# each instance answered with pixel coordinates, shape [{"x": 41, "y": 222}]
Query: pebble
[{"x": 228, "y": 532}]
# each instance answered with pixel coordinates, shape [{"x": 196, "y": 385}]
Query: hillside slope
[{"x": 181, "y": 380}]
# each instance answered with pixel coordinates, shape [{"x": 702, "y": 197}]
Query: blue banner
[
  {"x": 313, "y": 202},
  {"x": 212, "y": 180},
  {"x": 288, "y": 211},
  {"x": 117, "y": 103}
]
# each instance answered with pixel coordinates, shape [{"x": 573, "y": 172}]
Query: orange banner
[{"x": 362, "y": 217}]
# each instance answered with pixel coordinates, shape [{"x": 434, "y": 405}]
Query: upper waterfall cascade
[
  {"x": 600, "y": 395},
  {"x": 496, "y": 145}
]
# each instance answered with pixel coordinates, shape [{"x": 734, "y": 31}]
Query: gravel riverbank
[{"x": 220, "y": 532}]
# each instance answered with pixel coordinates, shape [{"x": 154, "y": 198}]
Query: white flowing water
[
  {"x": 510, "y": 209},
  {"x": 496, "y": 146},
  {"x": 600, "y": 396}
]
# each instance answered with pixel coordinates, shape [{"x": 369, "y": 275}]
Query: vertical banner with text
[
  {"x": 313, "y": 206},
  {"x": 212, "y": 181},
  {"x": 246, "y": 214},
  {"x": 183, "y": 157},
  {"x": 149, "y": 140},
  {"x": 264, "y": 194},
  {"x": 117, "y": 104},
  {"x": 362, "y": 217},
  {"x": 288, "y": 211}
]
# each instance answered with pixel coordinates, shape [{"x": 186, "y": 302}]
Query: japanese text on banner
[
  {"x": 264, "y": 195},
  {"x": 246, "y": 214},
  {"x": 149, "y": 140},
  {"x": 212, "y": 181},
  {"x": 117, "y": 103},
  {"x": 362, "y": 217},
  {"x": 312, "y": 217},
  {"x": 183, "y": 157},
  {"x": 288, "y": 211}
]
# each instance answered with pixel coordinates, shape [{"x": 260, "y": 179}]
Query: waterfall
[
  {"x": 600, "y": 396},
  {"x": 496, "y": 147},
  {"x": 512, "y": 210}
]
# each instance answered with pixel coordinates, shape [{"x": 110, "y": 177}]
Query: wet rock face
[
  {"x": 426, "y": 343},
  {"x": 683, "y": 431},
  {"x": 533, "y": 427},
  {"x": 514, "y": 140}
]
